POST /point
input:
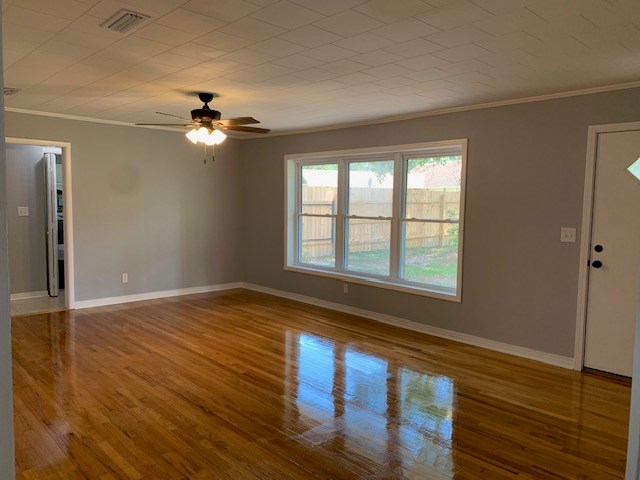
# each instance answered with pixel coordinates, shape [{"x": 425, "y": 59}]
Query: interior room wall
[
  {"x": 145, "y": 204},
  {"x": 525, "y": 176},
  {"x": 27, "y": 235}
]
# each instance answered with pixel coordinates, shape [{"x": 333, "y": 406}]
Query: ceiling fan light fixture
[
  {"x": 192, "y": 135},
  {"x": 217, "y": 137},
  {"x": 202, "y": 135}
]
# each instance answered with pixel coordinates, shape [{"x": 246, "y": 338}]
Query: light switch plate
[
  {"x": 568, "y": 235},
  {"x": 23, "y": 211}
]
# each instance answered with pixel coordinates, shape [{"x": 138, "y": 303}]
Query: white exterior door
[{"x": 614, "y": 256}]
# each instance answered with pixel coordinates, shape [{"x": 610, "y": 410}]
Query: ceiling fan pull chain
[
  {"x": 213, "y": 153},
  {"x": 205, "y": 154}
]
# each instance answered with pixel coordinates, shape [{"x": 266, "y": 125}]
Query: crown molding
[
  {"x": 444, "y": 111},
  {"x": 338, "y": 126},
  {"x": 85, "y": 119},
  {"x": 96, "y": 120}
]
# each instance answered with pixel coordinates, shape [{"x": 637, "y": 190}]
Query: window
[{"x": 390, "y": 217}]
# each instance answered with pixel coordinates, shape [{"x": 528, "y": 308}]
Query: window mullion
[
  {"x": 395, "y": 240},
  {"x": 341, "y": 215},
  {"x": 404, "y": 178},
  {"x": 298, "y": 210}
]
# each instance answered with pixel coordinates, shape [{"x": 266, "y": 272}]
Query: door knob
[{"x": 596, "y": 264}]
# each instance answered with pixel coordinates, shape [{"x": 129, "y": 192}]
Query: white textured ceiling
[{"x": 310, "y": 63}]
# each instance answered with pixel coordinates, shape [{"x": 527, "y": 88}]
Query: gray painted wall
[
  {"x": 7, "y": 468},
  {"x": 144, "y": 204},
  {"x": 27, "y": 236},
  {"x": 524, "y": 181}
]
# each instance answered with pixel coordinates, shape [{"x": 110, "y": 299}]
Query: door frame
[
  {"x": 585, "y": 236},
  {"x": 69, "y": 277}
]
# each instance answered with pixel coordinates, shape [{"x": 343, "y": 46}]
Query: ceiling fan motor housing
[
  {"x": 205, "y": 115},
  {"x": 208, "y": 118}
]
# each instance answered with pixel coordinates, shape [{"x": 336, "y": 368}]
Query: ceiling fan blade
[
  {"x": 166, "y": 124},
  {"x": 237, "y": 121},
  {"x": 238, "y": 128},
  {"x": 172, "y": 115}
]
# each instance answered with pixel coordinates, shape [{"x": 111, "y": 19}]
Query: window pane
[
  {"x": 319, "y": 188},
  {"x": 431, "y": 253},
  {"x": 369, "y": 246},
  {"x": 433, "y": 187},
  {"x": 371, "y": 189},
  {"x": 318, "y": 237}
]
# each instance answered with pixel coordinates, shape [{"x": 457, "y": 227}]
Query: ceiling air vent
[
  {"x": 10, "y": 91},
  {"x": 125, "y": 20}
]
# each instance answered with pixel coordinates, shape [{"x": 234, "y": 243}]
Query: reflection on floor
[
  {"x": 241, "y": 385},
  {"x": 24, "y": 306},
  {"x": 345, "y": 393}
]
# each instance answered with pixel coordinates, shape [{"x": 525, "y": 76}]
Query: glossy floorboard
[{"x": 241, "y": 385}]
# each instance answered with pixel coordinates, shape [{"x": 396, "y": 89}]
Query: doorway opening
[{"x": 39, "y": 225}]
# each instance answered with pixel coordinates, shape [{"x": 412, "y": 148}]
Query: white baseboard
[
  {"x": 544, "y": 357},
  {"x": 101, "y": 302},
  {"x": 24, "y": 295}
]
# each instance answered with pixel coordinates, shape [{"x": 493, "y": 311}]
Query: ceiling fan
[{"x": 206, "y": 125}]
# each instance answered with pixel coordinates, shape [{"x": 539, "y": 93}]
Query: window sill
[{"x": 433, "y": 292}]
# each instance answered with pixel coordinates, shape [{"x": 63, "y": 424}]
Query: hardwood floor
[{"x": 241, "y": 385}]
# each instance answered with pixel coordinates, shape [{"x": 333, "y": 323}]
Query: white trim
[
  {"x": 389, "y": 119},
  {"x": 343, "y": 158},
  {"x": 371, "y": 281},
  {"x": 462, "y": 218},
  {"x": 69, "y": 276},
  {"x": 324, "y": 157},
  {"x": 86, "y": 119},
  {"x": 400, "y": 165},
  {"x": 585, "y": 237},
  {"x": 544, "y": 357},
  {"x": 67, "y": 225},
  {"x": 444, "y": 111},
  {"x": 138, "y": 297},
  {"x": 80, "y": 118},
  {"x": 25, "y": 295}
]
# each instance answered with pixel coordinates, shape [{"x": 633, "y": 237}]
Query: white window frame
[{"x": 400, "y": 154}]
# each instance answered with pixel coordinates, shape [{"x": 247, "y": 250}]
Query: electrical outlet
[
  {"x": 23, "y": 211},
  {"x": 568, "y": 235},
  {"x": 125, "y": 277},
  {"x": 345, "y": 288}
]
